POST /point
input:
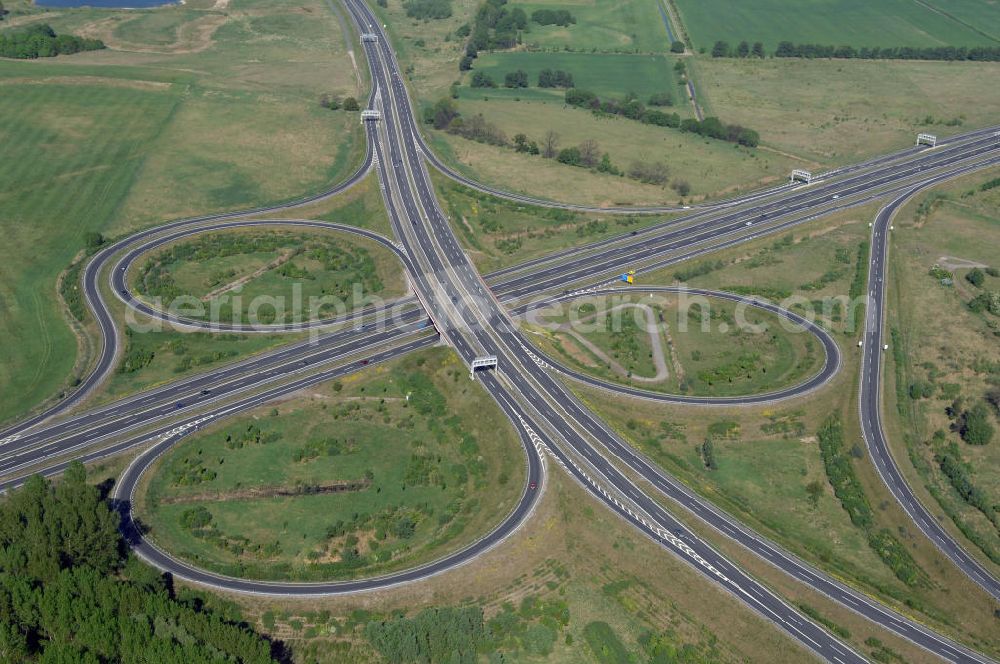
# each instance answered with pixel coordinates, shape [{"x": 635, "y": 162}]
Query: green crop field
[
  {"x": 856, "y": 23},
  {"x": 603, "y": 25},
  {"x": 186, "y": 112},
  {"x": 690, "y": 345},
  {"x": 70, "y": 156},
  {"x": 419, "y": 458}
]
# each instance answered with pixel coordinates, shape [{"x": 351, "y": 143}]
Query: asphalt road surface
[{"x": 470, "y": 317}]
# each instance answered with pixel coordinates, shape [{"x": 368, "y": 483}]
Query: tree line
[
  {"x": 444, "y": 115},
  {"x": 41, "y": 41},
  {"x": 547, "y": 78},
  {"x": 848, "y": 489},
  {"x": 559, "y": 17},
  {"x": 787, "y": 49},
  {"x": 634, "y": 109},
  {"x": 70, "y": 593}
]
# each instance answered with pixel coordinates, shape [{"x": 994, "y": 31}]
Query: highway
[
  {"x": 468, "y": 313},
  {"x": 875, "y": 347}
]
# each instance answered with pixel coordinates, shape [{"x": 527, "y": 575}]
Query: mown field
[
  {"x": 381, "y": 470},
  {"x": 852, "y": 22},
  {"x": 679, "y": 345},
  {"x": 948, "y": 364},
  {"x": 188, "y": 111}
]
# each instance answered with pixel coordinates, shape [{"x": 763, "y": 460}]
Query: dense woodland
[
  {"x": 41, "y": 41},
  {"x": 69, "y": 592}
]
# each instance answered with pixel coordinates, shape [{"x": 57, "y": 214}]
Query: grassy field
[
  {"x": 188, "y": 111},
  {"x": 71, "y": 152},
  {"x": 379, "y": 471},
  {"x": 854, "y": 22},
  {"x": 498, "y": 233},
  {"x": 277, "y": 275},
  {"x": 705, "y": 350},
  {"x": 601, "y": 25},
  {"x": 946, "y": 347},
  {"x": 152, "y": 358},
  {"x": 830, "y": 112},
  {"x": 542, "y": 590},
  {"x": 773, "y": 455},
  {"x": 808, "y": 269},
  {"x": 711, "y": 168},
  {"x": 606, "y": 75}
]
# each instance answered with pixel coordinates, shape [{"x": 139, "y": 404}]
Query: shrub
[
  {"x": 482, "y": 80},
  {"x": 516, "y": 79},
  {"x": 428, "y": 9},
  {"x": 976, "y": 428}
]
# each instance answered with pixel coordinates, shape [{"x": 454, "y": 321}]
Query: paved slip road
[
  {"x": 545, "y": 413},
  {"x": 870, "y": 406}
]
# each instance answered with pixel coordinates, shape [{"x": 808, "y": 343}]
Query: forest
[{"x": 70, "y": 592}]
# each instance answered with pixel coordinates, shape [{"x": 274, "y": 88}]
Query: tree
[
  {"x": 589, "y": 153},
  {"x": 481, "y": 79},
  {"x": 441, "y": 114},
  {"x": 550, "y": 144},
  {"x": 721, "y": 50},
  {"x": 758, "y": 50},
  {"x": 516, "y": 79},
  {"x": 93, "y": 241},
  {"x": 465, "y": 64},
  {"x": 976, "y": 277},
  {"x": 351, "y": 104},
  {"x": 708, "y": 454},
  {"x": 569, "y": 156},
  {"x": 976, "y": 428},
  {"x": 743, "y": 50},
  {"x": 682, "y": 187},
  {"x": 606, "y": 166},
  {"x": 677, "y": 47},
  {"x": 661, "y": 99}
]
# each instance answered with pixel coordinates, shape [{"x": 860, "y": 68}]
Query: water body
[{"x": 105, "y": 4}]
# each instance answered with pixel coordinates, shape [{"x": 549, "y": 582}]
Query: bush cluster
[{"x": 41, "y": 41}]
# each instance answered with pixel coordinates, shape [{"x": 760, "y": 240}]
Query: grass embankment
[
  {"x": 499, "y": 233},
  {"x": 765, "y": 465},
  {"x": 270, "y": 276},
  {"x": 945, "y": 368},
  {"x": 383, "y": 470},
  {"x": 816, "y": 270},
  {"x": 149, "y": 130},
  {"x": 543, "y": 596},
  {"x": 680, "y": 345}
]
